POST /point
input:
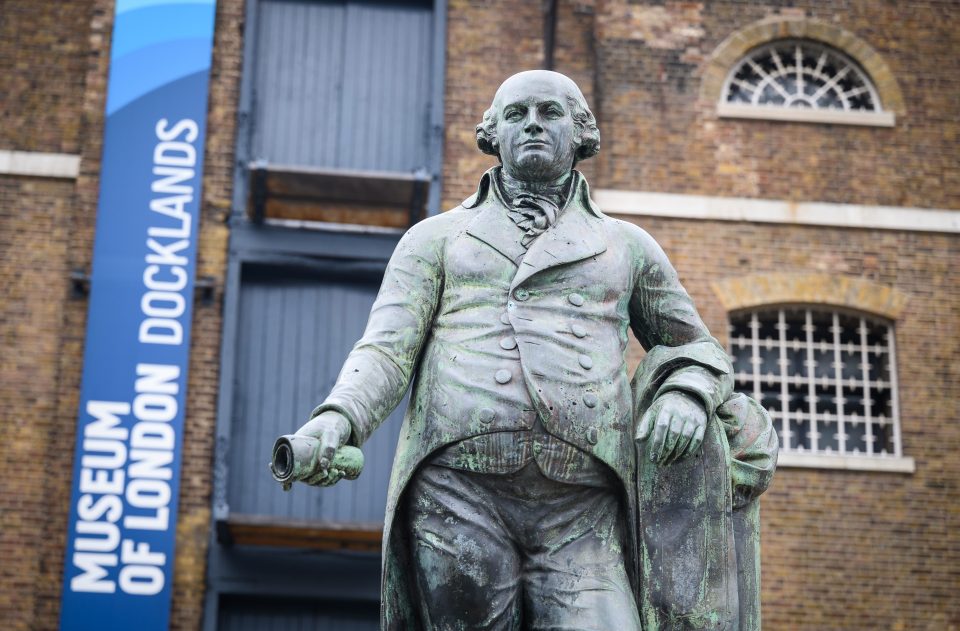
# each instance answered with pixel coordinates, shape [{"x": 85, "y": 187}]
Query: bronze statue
[{"x": 535, "y": 485}]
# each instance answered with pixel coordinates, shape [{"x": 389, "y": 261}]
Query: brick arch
[
  {"x": 828, "y": 289},
  {"x": 732, "y": 49}
]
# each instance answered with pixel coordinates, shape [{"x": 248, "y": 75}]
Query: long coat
[{"x": 494, "y": 336}]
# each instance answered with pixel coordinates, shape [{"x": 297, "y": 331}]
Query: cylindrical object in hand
[{"x": 295, "y": 458}]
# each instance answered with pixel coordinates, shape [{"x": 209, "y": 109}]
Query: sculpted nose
[{"x": 533, "y": 125}]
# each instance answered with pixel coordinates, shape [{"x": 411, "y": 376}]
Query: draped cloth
[{"x": 698, "y": 529}]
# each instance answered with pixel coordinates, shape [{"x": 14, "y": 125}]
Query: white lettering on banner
[
  {"x": 151, "y": 282},
  {"x": 159, "y": 331},
  {"x": 166, "y": 254},
  {"x": 141, "y": 573},
  {"x": 163, "y": 303},
  {"x": 125, "y": 477},
  {"x": 152, "y": 441},
  {"x": 141, "y": 580},
  {"x": 92, "y": 577},
  {"x": 128, "y": 448},
  {"x": 102, "y": 474},
  {"x": 106, "y": 419}
]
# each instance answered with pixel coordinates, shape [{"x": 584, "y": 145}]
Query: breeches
[{"x": 517, "y": 551}]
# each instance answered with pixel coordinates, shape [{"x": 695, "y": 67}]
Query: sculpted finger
[
  {"x": 316, "y": 479},
  {"x": 325, "y": 478},
  {"x": 328, "y": 447},
  {"x": 333, "y": 476},
  {"x": 646, "y": 422},
  {"x": 662, "y": 447},
  {"x": 682, "y": 448},
  {"x": 673, "y": 435},
  {"x": 697, "y": 439},
  {"x": 660, "y": 430}
]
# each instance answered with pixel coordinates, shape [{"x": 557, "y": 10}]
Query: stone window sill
[
  {"x": 798, "y": 115},
  {"x": 890, "y": 464}
]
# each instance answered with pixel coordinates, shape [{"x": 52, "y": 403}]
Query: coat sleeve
[
  {"x": 378, "y": 370},
  {"x": 662, "y": 314}
]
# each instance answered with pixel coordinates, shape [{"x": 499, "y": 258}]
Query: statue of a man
[{"x": 512, "y": 503}]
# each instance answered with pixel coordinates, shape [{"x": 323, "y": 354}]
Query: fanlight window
[
  {"x": 802, "y": 80},
  {"x": 827, "y": 378}
]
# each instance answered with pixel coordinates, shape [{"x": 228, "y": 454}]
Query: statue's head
[{"x": 539, "y": 126}]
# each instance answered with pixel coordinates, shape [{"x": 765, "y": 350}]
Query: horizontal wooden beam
[
  {"x": 268, "y": 530},
  {"x": 375, "y": 198}
]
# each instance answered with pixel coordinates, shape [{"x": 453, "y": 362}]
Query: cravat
[{"x": 534, "y": 210}]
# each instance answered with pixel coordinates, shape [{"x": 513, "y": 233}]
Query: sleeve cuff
[
  {"x": 699, "y": 383},
  {"x": 355, "y": 435}
]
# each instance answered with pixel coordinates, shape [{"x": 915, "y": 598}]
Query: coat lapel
[
  {"x": 491, "y": 224},
  {"x": 577, "y": 235}
]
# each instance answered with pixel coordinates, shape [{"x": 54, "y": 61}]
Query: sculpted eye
[
  {"x": 552, "y": 111},
  {"x": 513, "y": 115}
]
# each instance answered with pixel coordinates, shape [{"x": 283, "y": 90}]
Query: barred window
[
  {"x": 827, "y": 378},
  {"x": 802, "y": 80}
]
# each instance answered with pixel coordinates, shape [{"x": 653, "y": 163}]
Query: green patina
[{"x": 509, "y": 315}]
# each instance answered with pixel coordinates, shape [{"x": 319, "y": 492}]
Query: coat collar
[
  {"x": 581, "y": 193},
  {"x": 491, "y": 224},
  {"x": 576, "y": 235}
]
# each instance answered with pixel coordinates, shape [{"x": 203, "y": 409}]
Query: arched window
[
  {"x": 801, "y": 80},
  {"x": 828, "y": 379}
]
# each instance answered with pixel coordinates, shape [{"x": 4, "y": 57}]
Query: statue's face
[{"x": 535, "y": 130}]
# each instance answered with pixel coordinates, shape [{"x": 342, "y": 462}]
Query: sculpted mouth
[{"x": 534, "y": 143}]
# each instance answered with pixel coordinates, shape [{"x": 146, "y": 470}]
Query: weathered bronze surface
[{"x": 536, "y": 486}]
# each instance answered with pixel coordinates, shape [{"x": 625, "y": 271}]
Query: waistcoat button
[
  {"x": 590, "y": 400},
  {"x": 505, "y": 318},
  {"x": 575, "y": 299},
  {"x": 503, "y": 376},
  {"x": 521, "y": 294},
  {"x": 508, "y": 343},
  {"x": 486, "y": 415},
  {"x": 586, "y": 362},
  {"x": 592, "y": 435},
  {"x": 578, "y": 330}
]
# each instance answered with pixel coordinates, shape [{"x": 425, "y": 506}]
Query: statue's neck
[{"x": 553, "y": 189}]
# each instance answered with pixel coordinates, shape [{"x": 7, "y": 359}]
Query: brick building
[{"x": 819, "y": 240}]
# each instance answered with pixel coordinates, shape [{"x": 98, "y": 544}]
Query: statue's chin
[{"x": 536, "y": 166}]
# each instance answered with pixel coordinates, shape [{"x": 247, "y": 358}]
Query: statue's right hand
[{"x": 332, "y": 430}]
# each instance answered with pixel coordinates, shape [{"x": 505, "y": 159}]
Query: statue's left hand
[{"x": 677, "y": 422}]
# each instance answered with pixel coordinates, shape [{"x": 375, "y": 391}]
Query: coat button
[
  {"x": 586, "y": 362},
  {"x": 575, "y": 299},
  {"x": 578, "y": 330},
  {"x": 503, "y": 376},
  {"x": 508, "y": 343},
  {"x": 505, "y": 317},
  {"x": 590, "y": 400},
  {"x": 521, "y": 294},
  {"x": 486, "y": 415},
  {"x": 593, "y": 435}
]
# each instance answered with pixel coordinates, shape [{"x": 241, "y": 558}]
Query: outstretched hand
[
  {"x": 333, "y": 431},
  {"x": 677, "y": 422}
]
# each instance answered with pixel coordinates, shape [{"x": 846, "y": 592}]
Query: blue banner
[{"x": 118, "y": 569}]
